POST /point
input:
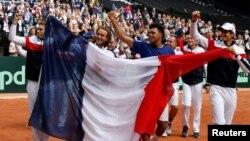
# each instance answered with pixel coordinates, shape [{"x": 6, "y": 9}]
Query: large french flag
[{"x": 86, "y": 95}]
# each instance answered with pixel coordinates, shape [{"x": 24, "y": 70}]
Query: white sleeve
[
  {"x": 16, "y": 39},
  {"x": 21, "y": 51},
  {"x": 194, "y": 33},
  {"x": 243, "y": 63}
]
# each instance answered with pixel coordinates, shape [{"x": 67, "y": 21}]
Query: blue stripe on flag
[{"x": 57, "y": 111}]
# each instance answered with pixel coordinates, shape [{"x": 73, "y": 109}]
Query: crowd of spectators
[{"x": 88, "y": 15}]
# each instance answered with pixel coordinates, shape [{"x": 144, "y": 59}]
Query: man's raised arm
[
  {"x": 194, "y": 31},
  {"x": 118, "y": 31},
  {"x": 12, "y": 36}
]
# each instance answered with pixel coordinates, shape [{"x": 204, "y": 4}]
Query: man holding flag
[
  {"x": 34, "y": 47},
  {"x": 155, "y": 47},
  {"x": 87, "y": 95}
]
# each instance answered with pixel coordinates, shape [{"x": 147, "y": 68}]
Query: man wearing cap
[{"x": 222, "y": 73}]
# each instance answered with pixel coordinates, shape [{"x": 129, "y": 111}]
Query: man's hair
[
  {"x": 159, "y": 27},
  {"x": 42, "y": 22},
  {"x": 109, "y": 34},
  {"x": 174, "y": 37}
]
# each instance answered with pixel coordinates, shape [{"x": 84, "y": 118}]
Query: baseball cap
[{"x": 227, "y": 26}]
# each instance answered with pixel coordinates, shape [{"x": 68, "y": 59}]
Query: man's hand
[
  {"x": 232, "y": 50},
  {"x": 195, "y": 15},
  {"x": 17, "y": 17},
  {"x": 112, "y": 15}
]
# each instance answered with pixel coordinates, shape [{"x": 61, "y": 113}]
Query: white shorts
[
  {"x": 175, "y": 98},
  {"x": 173, "y": 101},
  {"x": 164, "y": 114},
  {"x": 32, "y": 91}
]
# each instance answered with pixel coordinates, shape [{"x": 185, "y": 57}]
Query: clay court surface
[{"x": 14, "y": 116}]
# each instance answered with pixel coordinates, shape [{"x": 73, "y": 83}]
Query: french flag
[{"x": 85, "y": 95}]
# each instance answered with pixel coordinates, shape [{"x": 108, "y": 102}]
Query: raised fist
[{"x": 195, "y": 15}]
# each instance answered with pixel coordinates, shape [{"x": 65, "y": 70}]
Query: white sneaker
[
  {"x": 169, "y": 129},
  {"x": 165, "y": 134}
]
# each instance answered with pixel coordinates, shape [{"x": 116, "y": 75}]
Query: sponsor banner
[
  {"x": 13, "y": 79},
  {"x": 12, "y": 75},
  {"x": 228, "y": 132},
  {"x": 243, "y": 79}
]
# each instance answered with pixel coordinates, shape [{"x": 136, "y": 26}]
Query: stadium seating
[{"x": 184, "y": 8}]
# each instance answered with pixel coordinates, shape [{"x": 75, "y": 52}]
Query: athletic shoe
[
  {"x": 164, "y": 133},
  {"x": 169, "y": 129},
  {"x": 196, "y": 135},
  {"x": 184, "y": 131}
]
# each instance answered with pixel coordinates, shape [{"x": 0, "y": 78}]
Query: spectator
[
  {"x": 248, "y": 49},
  {"x": 12, "y": 49},
  {"x": 28, "y": 18},
  {"x": 240, "y": 42},
  {"x": 122, "y": 52},
  {"x": 5, "y": 29},
  {"x": 246, "y": 35},
  {"x": 216, "y": 36},
  {"x": 112, "y": 46},
  {"x": 32, "y": 31}
]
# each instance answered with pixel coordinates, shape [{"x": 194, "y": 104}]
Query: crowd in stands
[{"x": 88, "y": 15}]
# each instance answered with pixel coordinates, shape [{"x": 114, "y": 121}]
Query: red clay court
[{"x": 14, "y": 117}]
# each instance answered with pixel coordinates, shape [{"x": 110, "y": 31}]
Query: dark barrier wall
[{"x": 12, "y": 76}]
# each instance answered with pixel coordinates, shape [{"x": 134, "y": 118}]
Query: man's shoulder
[
  {"x": 141, "y": 43},
  {"x": 138, "y": 41},
  {"x": 168, "y": 48}
]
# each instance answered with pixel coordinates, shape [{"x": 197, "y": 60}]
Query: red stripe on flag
[{"x": 159, "y": 90}]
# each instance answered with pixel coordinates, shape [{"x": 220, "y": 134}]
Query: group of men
[{"x": 221, "y": 73}]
